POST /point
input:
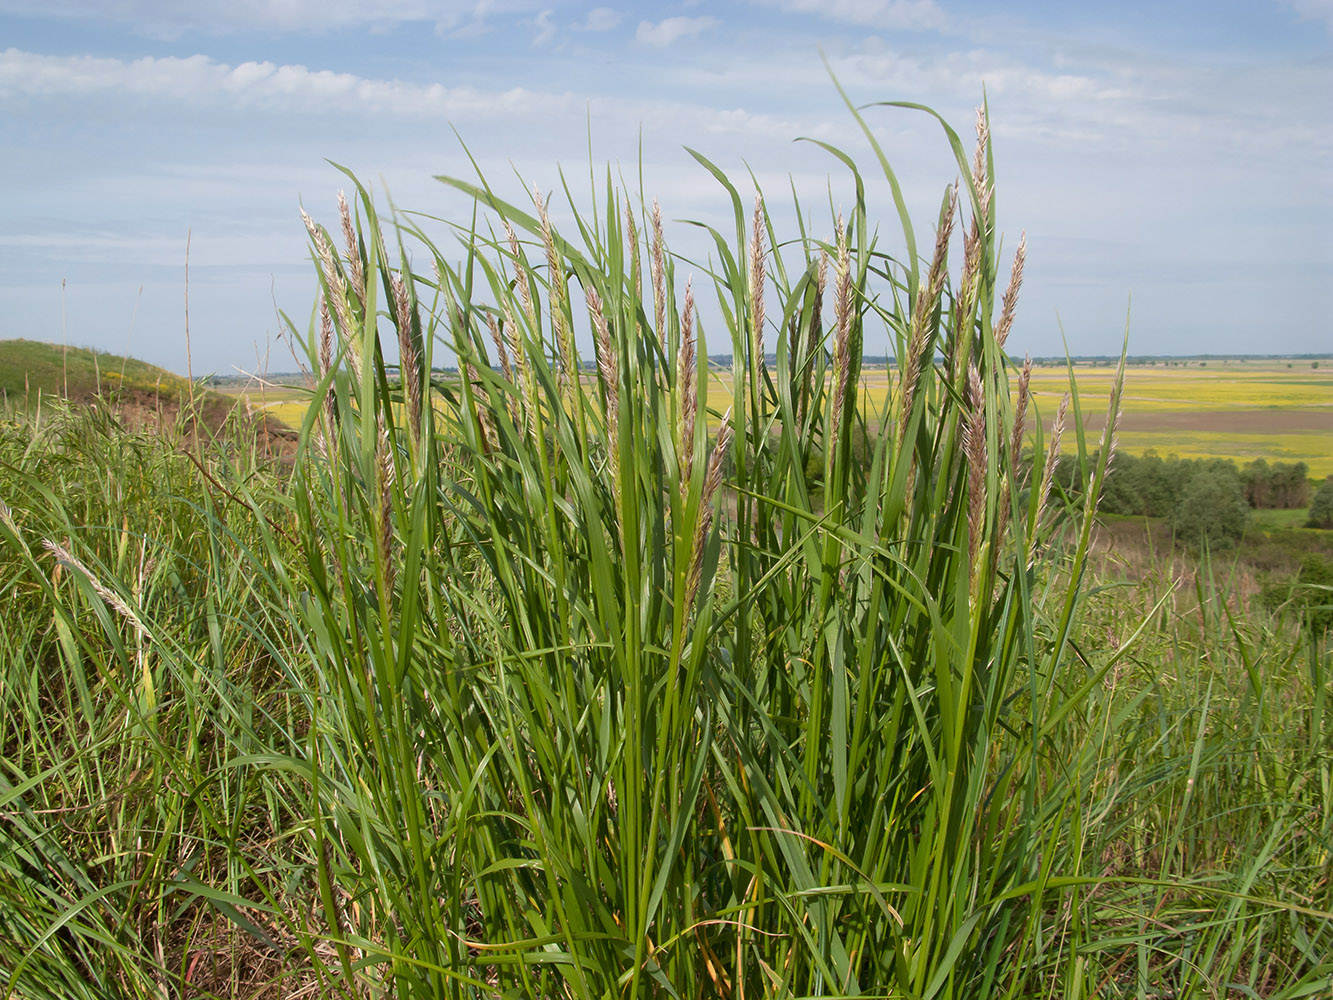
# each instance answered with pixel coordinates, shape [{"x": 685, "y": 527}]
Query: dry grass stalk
[
  {"x": 353, "y": 249},
  {"x": 497, "y": 338},
  {"x": 67, "y": 558},
  {"x": 687, "y": 388},
  {"x": 974, "y": 242},
  {"x": 842, "y": 310},
  {"x": 337, "y": 291},
  {"x": 515, "y": 340},
  {"x": 1011, "y": 293},
  {"x": 1048, "y": 470},
  {"x": 974, "y": 450},
  {"x": 659, "y": 271},
  {"x": 521, "y": 282},
  {"x": 919, "y": 345},
  {"x": 757, "y": 285},
  {"x": 555, "y": 273},
  {"x": 609, "y": 368},
  {"x": 325, "y": 365},
  {"x": 490, "y": 440},
  {"x": 635, "y": 277},
  {"x": 1016, "y": 441},
  {"x": 409, "y": 358},
  {"x": 712, "y": 481},
  {"x": 384, "y": 524}
]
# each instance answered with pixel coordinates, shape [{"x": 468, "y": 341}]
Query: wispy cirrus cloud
[
  {"x": 164, "y": 18},
  {"x": 1313, "y": 10},
  {"x": 199, "y": 80},
  {"x": 602, "y": 19},
  {"x": 882, "y": 15},
  {"x": 663, "y": 33}
]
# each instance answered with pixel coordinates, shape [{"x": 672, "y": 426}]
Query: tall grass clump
[
  {"x": 552, "y": 670},
  {"x": 630, "y": 680}
]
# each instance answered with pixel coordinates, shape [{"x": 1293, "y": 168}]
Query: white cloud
[
  {"x": 200, "y": 81},
  {"x": 1313, "y": 10},
  {"x": 159, "y": 18},
  {"x": 602, "y": 19},
  {"x": 546, "y": 29},
  {"x": 886, "y": 15},
  {"x": 663, "y": 33}
]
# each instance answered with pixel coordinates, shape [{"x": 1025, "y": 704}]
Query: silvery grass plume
[
  {"x": 687, "y": 388},
  {"x": 635, "y": 278},
  {"x": 555, "y": 274},
  {"x": 842, "y": 309},
  {"x": 757, "y": 288},
  {"x": 1011, "y": 293},
  {"x": 609, "y": 368},
  {"x": 921, "y": 341},
  {"x": 712, "y": 480},
  {"x": 385, "y": 476},
  {"x": 1048, "y": 471},
  {"x": 352, "y": 249},
  {"x": 409, "y": 358},
  {"x": 336, "y": 289},
  {"x": 1016, "y": 442},
  {"x": 118, "y": 604},
  {"x": 974, "y": 451},
  {"x": 659, "y": 270}
]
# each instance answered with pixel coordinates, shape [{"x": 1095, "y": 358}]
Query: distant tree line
[{"x": 1207, "y": 498}]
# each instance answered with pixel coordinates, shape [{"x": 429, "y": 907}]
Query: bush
[
  {"x": 1211, "y": 509},
  {"x": 1321, "y": 507}
]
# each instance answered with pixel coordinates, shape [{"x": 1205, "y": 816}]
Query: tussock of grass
[{"x": 536, "y": 683}]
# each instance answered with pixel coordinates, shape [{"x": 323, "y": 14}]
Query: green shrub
[
  {"x": 1321, "y": 507},
  {"x": 1211, "y": 509}
]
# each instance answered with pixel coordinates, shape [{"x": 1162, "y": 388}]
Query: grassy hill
[
  {"x": 144, "y": 396},
  {"x": 29, "y": 367}
]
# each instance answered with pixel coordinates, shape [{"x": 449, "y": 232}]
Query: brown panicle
[
  {"x": 555, "y": 273},
  {"x": 1015, "y": 444},
  {"x": 409, "y": 358},
  {"x": 1011, "y": 293},
  {"x": 337, "y": 290},
  {"x": 659, "y": 271},
  {"x": 757, "y": 285},
  {"x": 712, "y": 481},
  {"x": 609, "y": 368},
  {"x": 687, "y": 388},
  {"x": 974, "y": 451},
  {"x": 842, "y": 310},
  {"x": 521, "y": 277},
  {"x": 352, "y": 249},
  {"x": 1048, "y": 470},
  {"x": 919, "y": 344}
]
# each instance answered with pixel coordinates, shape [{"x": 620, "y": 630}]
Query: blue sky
[{"x": 1179, "y": 156}]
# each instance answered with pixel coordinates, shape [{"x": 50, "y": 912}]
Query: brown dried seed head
[
  {"x": 842, "y": 309},
  {"x": 659, "y": 270},
  {"x": 635, "y": 279},
  {"x": 757, "y": 283},
  {"x": 521, "y": 277},
  {"x": 974, "y": 450},
  {"x": 64, "y": 556},
  {"x": 385, "y": 523},
  {"x": 556, "y": 294},
  {"x": 497, "y": 338},
  {"x": 409, "y": 358},
  {"x": 687, "y": 388},
  {"x": 1011, "y": 293},
  {"x": 353, "y": 250}
]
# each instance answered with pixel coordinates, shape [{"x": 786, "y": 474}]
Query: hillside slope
[{"x": 143, "y": 396}]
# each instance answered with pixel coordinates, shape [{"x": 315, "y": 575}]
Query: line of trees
[{"x": 1201, "y": 498}]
